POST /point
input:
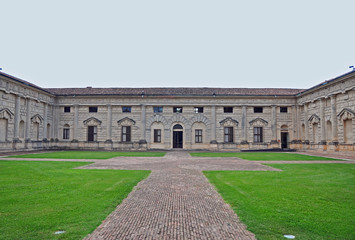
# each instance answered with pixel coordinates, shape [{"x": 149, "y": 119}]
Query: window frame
[
  {"x": 67, "y": 109},
  {"x": 198, "y": 109},
  {"x": 157, "y": 135},
  {"x": 228, "y": 109},
  {"x": 126, "y": 134},
  {"x": 157, "y": 109},
  {"x": 282, "y": 109},
  {"x": 198, "y": 135},
  {"x": 258, "y": 135},
  {"x": 228, "y": 135},
  {"x": 126, "y": 109},
  {"x": 66, "y": 133},
  {"x": 258, "y": 110},
  {"x": 93, "y": 109},
  {"x": 175, "y": 109}
]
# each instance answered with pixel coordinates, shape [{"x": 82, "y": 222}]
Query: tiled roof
[{"x": 175, "y": 91}]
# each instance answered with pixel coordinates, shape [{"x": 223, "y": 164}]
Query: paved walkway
[{"x": 176, "y": 201}]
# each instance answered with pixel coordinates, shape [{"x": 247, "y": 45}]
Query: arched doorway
[{"x": 178, "y": 136}]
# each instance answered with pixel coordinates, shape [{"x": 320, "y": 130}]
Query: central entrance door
[
  {"x": 177, "y": 139},
  {"x": 178, "y": 136}
]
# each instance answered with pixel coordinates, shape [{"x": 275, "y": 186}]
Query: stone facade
[{"x": 320, "y": 118}]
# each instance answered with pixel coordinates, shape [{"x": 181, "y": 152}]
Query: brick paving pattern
[{"x": 176, "y": 201}]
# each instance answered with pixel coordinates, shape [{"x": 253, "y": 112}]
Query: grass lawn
[
  {"x": 89, "y": 155},
  {"x": 39, "y": 198},
  {"x": 310, "y": 201},
  {"x": 262, "y": 156}
]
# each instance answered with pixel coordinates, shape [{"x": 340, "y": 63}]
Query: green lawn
[
  {"x": 262, "y": 156},
  {"x": 39, "y": 198},
  {"x": 89, "y": 155},
  {"x": 310, "y": 201}
]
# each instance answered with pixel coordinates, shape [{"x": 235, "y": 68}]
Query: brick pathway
[{"x": 175, "y": 202}]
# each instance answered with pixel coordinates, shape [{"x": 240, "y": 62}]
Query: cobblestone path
[{"x": 175, "y": 202}]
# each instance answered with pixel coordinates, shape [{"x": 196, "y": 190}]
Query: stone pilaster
[
  {"x": 109, "y": 123},
  {"x": 306, "y": 126},
  {"x": 17, "y": 118},
  {"x": 322, "y": 121},
  {"x": 45, "y": 121},
  {"x": 334, "y": 119},
  {"x": 244, "y": 125},
  {"x": 273, "y": 125},
  {"x": 76, "y": 121},
  {"x": 213, "y": 125},
  {"x": 28, "y": 120},
  {"x": 143, "y": 126}
]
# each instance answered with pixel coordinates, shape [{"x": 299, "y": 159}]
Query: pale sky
[{"x": 194, "y": 43}]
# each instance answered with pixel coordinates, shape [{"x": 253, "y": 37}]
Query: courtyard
[{"x": 177, "y": 196}]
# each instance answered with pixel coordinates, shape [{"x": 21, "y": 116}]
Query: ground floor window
[
  {"x": 258, "y": 134},
  {"x": 126, "y": 134},
  {"x": 66, "y": 133},
  {"x": 92, "y": 133},
  {"x": 228, "y": 134},
  {"x": 157, "y": 135},
  {"x": 198, "y": 135}
]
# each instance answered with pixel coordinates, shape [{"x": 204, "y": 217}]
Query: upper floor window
[
  {"x": 158, "y": 109},
  {"x": 92, "y": 109},
  {"x": 258, "y": 109},
  {"x": 177, "y": 109},
  {"x": 198, "y": 109},
  {"x": 126, "y": 109},
  {"x": 228, "y": 109},
  {"x": 67, "y": 109},
  {"x": 283, "y": 109}
]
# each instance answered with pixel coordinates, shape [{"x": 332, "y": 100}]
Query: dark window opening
[
  {"x": 157, "y": 135},
  {"x": 66, "y": 133},
  {"x": 177, "y": 109},
  {"x": 198, "y": 136},
  {"x": 258, "y": 109},
  {"x": 198, "y": 109},
  {"x": 92, "y": 109},
  {"x": 92, "y": 133},
  {"x": 283, "y": 109},
  {"x": 177, "y": 126},
  {"x": 258, "y": 134},
  {"x": 126, "y": 109},
  {"x": 126, "y": 134},
  {"x": 158, "y": 109},
  {"x": 228, "y": 109},
  {"x": 66, "y": 109},
  {"x": 228, "y": 134}
]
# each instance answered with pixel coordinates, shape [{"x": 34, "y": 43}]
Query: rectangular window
[
  {"x": 126, "y": 134},
  {"x": 66, "y": 109},
  {"x": 92, "y": 109},
  {"x": 283, "y": 109},
  {"x": 177, "y": 109},
  {"x": 198, "y": 135},
  {"x": 198, "y": 109},
  {"x": 157, "y": 135},
  {"x": 92, "y": 133},
  {"x": 228, "y": 134},
  {"x": 258, "y": 109},
  {"x": 126, "y": 109},
  {"x": 258, "y": 134},
  {"x": 158, "y": 109},
  {"x": 66, "y": 133},
  {"x": 228, "y": 109}
]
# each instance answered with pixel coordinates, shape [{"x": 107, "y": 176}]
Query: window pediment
[
  {"x": 126, "y": 121},
  {"x": 37, "y": 119},
  {"x": 5, "y": 113},
  {"x": 258, "y": 122},
  {"x": 92, "y": 121},
  {"x": 346, "y": 114},
  {"x": 229, "y": 122},
  {"x": 313, "y": 119}
]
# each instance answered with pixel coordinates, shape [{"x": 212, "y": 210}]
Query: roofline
[
  {"x": 26, "y": 83},
  {"x": 348, "y": 74},
  {"x": 177, "y": 95}
]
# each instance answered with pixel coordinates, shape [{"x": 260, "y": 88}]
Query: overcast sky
[{"x": 150, "y": 43}]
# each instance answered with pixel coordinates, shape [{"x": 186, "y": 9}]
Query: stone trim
[
  {"x": 37, "y": 119},
  {"x": 346, "y": 113},
  {"x": 5, "y": 113},
  {"x": 126, "y": 119},
  {"x": 93, "y": 120},
  {"x": 258, "y": 122},
  {"x": 229, "y": 119}
]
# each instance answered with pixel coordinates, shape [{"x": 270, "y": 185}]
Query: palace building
[{"x": 320, "y": 118}]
